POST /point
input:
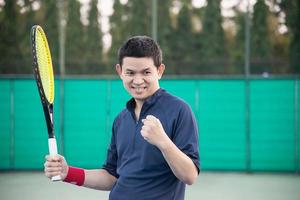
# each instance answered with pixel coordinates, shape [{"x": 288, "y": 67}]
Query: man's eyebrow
[{"x": 131, "y": 70}]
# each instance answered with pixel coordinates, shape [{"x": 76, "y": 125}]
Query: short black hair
[{"x": 141, "y": 46}]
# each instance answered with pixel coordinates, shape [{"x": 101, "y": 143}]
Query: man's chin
[{"x": 139, "y": 98}]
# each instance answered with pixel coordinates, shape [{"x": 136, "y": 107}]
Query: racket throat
[{"x": 48, "y": 110}]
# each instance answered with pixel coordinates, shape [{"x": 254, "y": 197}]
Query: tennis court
[{"x": 209, "y": 185}]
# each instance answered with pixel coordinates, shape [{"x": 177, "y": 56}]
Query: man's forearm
[
  {"x": 99, "y": 179},
  {"x": 181, "y": 165}
]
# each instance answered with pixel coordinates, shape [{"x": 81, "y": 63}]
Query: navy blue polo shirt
[{"x": 140, "y": 167}]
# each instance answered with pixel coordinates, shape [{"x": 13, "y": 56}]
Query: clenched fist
[
  {"x": 153, "y": 132},
  {"x": 56, "y": 165}
]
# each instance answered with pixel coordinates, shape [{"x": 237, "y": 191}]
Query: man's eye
[
  {"x": 129, "y": 73},
  {"x": 147, "y": 72}
]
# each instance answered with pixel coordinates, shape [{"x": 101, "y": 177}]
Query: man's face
[{"x": 140, "y": 76}]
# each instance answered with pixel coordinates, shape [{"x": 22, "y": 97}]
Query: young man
[{"x": 153, "y": 152}]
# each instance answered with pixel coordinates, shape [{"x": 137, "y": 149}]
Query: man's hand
[
  {"x": 56, "y": 165},
  {"x": 153, "y": 132}
]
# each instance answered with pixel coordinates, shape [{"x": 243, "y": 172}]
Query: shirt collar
[{"x": 130, "y": 105}]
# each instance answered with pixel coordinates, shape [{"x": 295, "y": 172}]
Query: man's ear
[
  {"x": 119, "y": 69},
  {"x": 161, "y": 70}
]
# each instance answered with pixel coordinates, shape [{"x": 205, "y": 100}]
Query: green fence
[{"x": 243, "y": 125}]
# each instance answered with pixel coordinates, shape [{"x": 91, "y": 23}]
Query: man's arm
[
  {"x": 98, "y": 179},
  {"x": 181, "y": 165}
]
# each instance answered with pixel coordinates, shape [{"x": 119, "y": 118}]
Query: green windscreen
[
  {"x": 272, "y": 125},
  {"x": 85, "y": 121},
  {"x": 222, "y": 124},
  {"x": 297, "y": 124},
  {"x": 5, "y": 123},
  {"x": 30, "y": 131},
  {"x": 85, "y": 109}
]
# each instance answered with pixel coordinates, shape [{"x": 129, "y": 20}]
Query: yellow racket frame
[{"x": 44, "y": 64}]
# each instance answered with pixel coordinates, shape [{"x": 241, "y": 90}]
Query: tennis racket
[{"x": 43, "y": 73}]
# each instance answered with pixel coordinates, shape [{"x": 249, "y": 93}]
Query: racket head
[{"x": 42, "y": 64}]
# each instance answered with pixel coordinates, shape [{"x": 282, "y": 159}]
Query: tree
[
  {"x": 182, "y": 42},
  {"x": 26, "y": 22},
  {"x": 94, "y": 46},
  {"x": 49, "y": 21},
  {"x": 132, "y": 18},
  {"x": 280, "y": 46},
  {"x": 291, "y": 9},
  {"x": 213, "y": 52},
  {"x": 165, "y": 31},
  {"x": 74, "y": 39},
  {"x": 10, "y": 39},
  {"x": 260, "y": 43},
  {"x": 139, "y": 22},
  {"x": 118, "y": 30},
  {"x": 238, "y": 50}
]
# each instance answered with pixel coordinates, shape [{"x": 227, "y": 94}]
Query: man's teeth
[{"x": 139, "y": 89}]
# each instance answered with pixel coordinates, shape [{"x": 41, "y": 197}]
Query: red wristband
[{"x": 75, "y": 176}]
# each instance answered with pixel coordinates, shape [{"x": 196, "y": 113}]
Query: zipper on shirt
[{"x": 137, "y": 123}]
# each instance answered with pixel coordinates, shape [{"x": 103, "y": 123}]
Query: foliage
[
  {"x": 27, "y": 20},
  {"x": 182, "y": 43},
  {"x": 139, "y": 17},
  {"x": 49, "y": 21},
  {"x": 291, "y": 8},
  {"x": 260, "y": 43},
  {"x": 94, "y": 45},
  {"x": 10, "y": 52},
  {"x": 213, "y": 52},
  {"x": 74, "y": 40},
  {"x": 119, "y": 31},
  {"x": 165, "y": 31},
  {"x": 238, "y": 50},
  {"x": 192, "y": 39}
]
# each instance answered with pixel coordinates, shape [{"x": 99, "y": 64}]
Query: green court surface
[{"x": 209, "y": 185}]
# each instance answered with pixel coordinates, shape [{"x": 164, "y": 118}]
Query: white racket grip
[{"x": 53, "y": 151}]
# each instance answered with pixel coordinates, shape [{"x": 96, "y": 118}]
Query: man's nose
[{"x": 138, "y": 79}]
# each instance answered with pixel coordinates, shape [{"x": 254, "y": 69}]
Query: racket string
[{"x": 44, "y": 64}]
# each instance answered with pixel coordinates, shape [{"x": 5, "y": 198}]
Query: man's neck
[{"x": 138, "y": 108}]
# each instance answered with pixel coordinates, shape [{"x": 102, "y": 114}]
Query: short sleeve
[
  {"x": 185, "y": 134},
  {"x": 110, "y": 164}
]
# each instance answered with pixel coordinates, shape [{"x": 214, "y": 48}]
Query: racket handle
[{"x": 53, "y": 151}]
